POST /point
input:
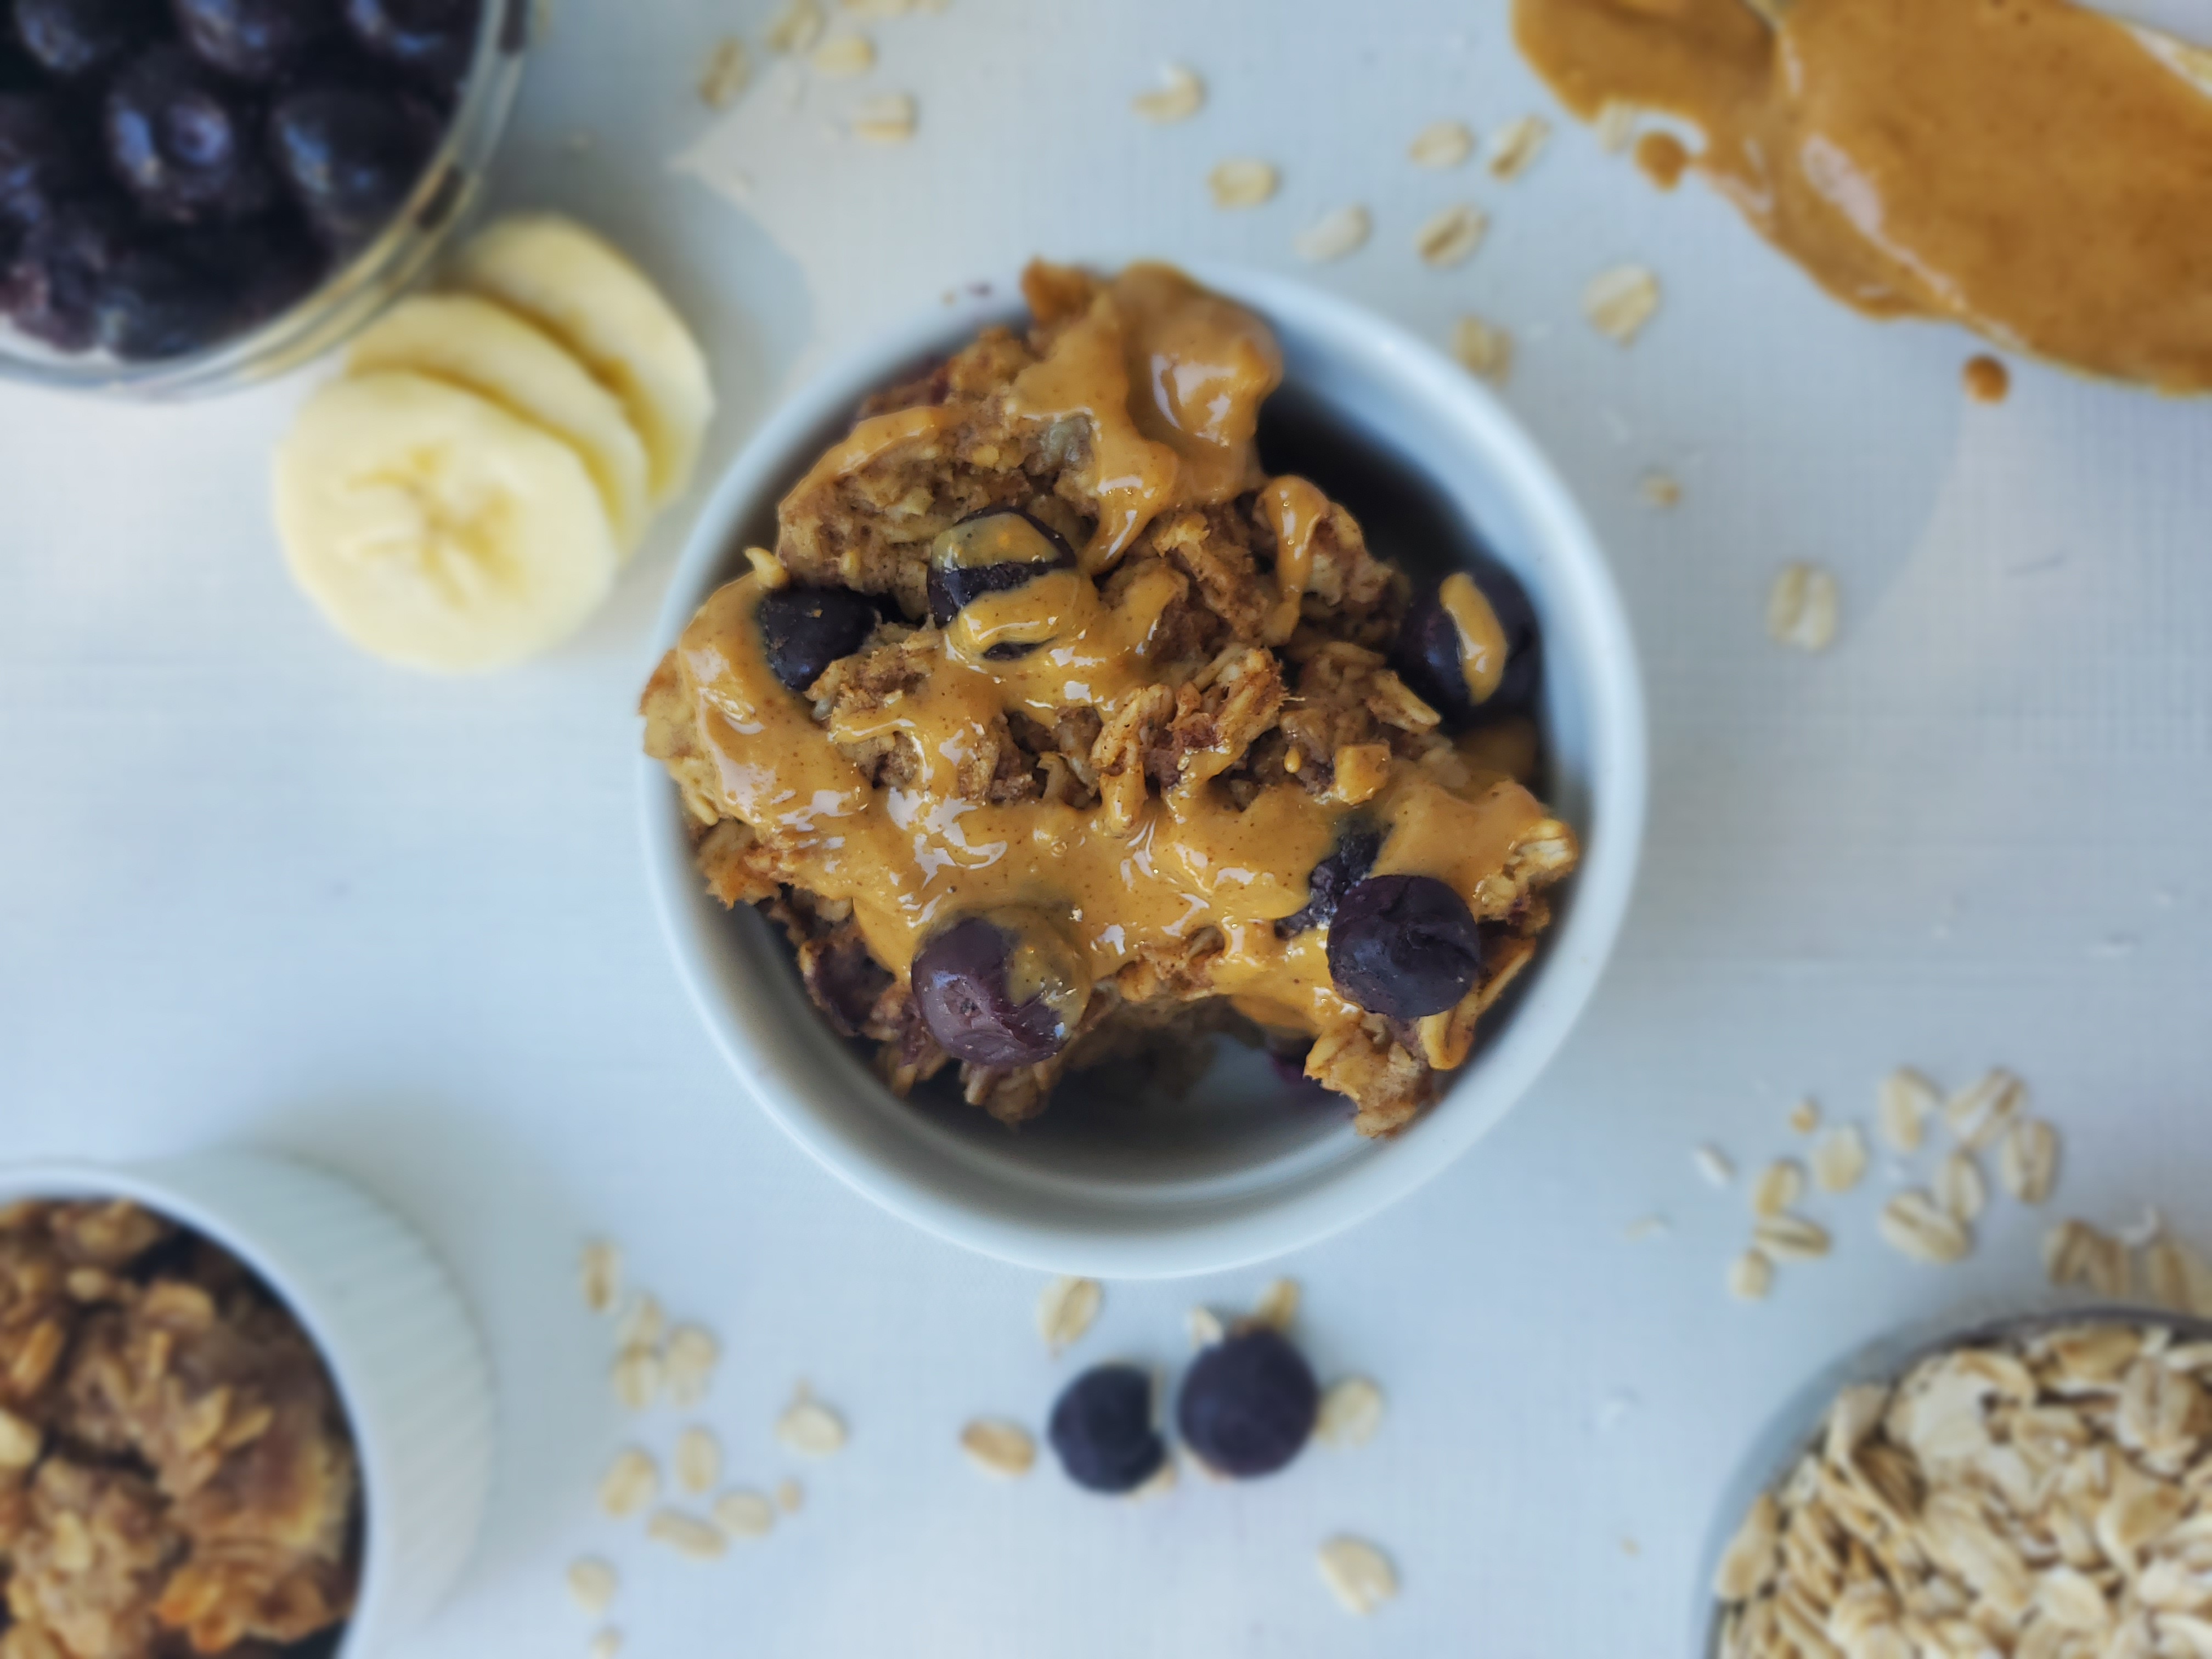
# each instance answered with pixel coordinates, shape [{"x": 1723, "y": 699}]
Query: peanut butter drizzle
[
  {"x": 1294, "y": 509},
  {"x": 2025, "y": 167},
  {"x": 872, "y": 439},
  {"x": 1171, "y": 379},
  {"x": 1481, "y": 641},
  {"x": 911, "y": 859}
]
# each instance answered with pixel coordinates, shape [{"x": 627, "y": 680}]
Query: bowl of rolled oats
[
  {"x": 2034, "y": 1487},
  {"x": 1143, "y": 768},
  {"x": 243, "y": 1413}
]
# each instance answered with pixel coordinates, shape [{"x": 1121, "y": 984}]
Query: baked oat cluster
[
  {"x": 1055, "y": 729},
  {"x": 175, "y": 1474}
]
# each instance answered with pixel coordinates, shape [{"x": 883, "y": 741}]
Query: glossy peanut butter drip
[
  {"x": 910, "y": 860},
  {"x": 2027, "y": 168},
  {"x": 1170, "y": 379}
]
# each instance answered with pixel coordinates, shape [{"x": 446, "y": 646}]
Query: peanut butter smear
[{"x": 2030, "y": 169}]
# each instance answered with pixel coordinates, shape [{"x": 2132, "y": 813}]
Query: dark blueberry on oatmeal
[
  {"x": 185, "y": 140},
  {"x": 352, "y": 158},
  {"x": 994, "y": 551},
  {"x": 1249, "y": 1403},
  {"x": 1358, "y": 844},
  {"x": 254, "y": 39},
  {"x": 72, "y": 38},
  {"x": 434, "y": 39},
  {"x": 163, "y": 300},
  {"x": 807, "y": 629},
  {"x": 1468, "y": 645},
  {"x": 44, "y": 158},
  {"x": 1404, "y": 946},
  {"x": 52, "y": 288},
  {"x": 1102, "y": 1429},
  {"x": 1001, "y": 990}
]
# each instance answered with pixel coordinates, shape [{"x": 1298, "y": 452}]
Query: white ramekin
[
  {"x": 1238, "y": 1173},
  {"x": 401, "y": 1348}
]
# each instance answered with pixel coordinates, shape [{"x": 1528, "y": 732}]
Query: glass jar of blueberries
[{"x": 197, "y": 194}]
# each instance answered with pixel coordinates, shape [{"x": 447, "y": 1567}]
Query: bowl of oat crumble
[
  {"x": 1143, "y": 768},
  {"x": 243, "y": 1413}
]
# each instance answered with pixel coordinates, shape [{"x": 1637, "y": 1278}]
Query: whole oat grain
[
  {"x": 1517, "y": 145},
  {"x": 1181, "y": 95},
  {"x": 1441, "y": 145},
  {"x": 1621, "y": 301},
  {"x": 1351, "y": 1412},
  {"x": 1359, "y": 1575},
  {"x": 1065, "y": 1310},
  {"x": 999, "y": 1447}
]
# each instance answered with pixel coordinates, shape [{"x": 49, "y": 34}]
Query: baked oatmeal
[
  {"x": 175, "y": 1472},
  {"x": 1053, "y": 729}
]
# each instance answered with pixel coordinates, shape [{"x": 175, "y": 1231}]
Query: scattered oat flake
[
  {"x": 1442, "y": 144},
  {"x": 1750, "y": 1276},
  {"x": 1914, "y": 1224},
  {"x": 1977, "y": 1114},
  {"x": 687, "y": 1535},
  {"x": 1358, "y": 1574},
  {"x": 729, "y": 69},
  {"x": 698, "y": 1461},
  {"x": 1791, "y": 1238},
  {"x": 606, "y": 1644},
  {"x": 1616, "y": 125},
  {"x": 889, "y": 119},
  {"x": 1903, "y": 1106},
  {"x": 1279, "y": 1304},
  {"x": 630, "y": 1484},
  {"x": 1646, "y": 1227},
  {"x": 2076, "y": 1254},
  {"x": 807, "y": 1425},
  {"x": 1181, "y": 97},
  {"x": 2027, "y": 1160},
  {"x": 688, "y": 1363},
  {"x": 1064, "y": 1310},
  {"x": 638, "y": 1376},
  {"x": 1802, "y": 607},
  {"x": 1659, "y": 488},
  {"x": 1204, "y": 1326},
  {"x": 999, "y": 1447},
  {"x": 1839, "y": 1158},
  {"x": 2174, "y": 1275},
  {"x": 642, "y": 1323},
  {"x": 1780, "y": 1185},
  {"x": 1713, "y": 1163},
  {"x": 1959, "y": 1187},
  {"x": 1619, "y": 301},
  {"x": 1241, "y": 182},
  {"x": 1483, "y": 350},
  {"x": 1517, "y": 145},
  {"x": 790, "y": 1497},
  {"x": 1450, "y": 236},
  {"x": 745, "y": 1515},
  {"x": 1351, "y": 1412},
  {"x": 599, "y": 1274},
  {"x": 592, "y": 1584},
  {"x": 1334, "y": 234},
  {"x": 842, "y": 56},
  {"x": 1805, "y": 1116},
  {"x": 796, "y": 27}
]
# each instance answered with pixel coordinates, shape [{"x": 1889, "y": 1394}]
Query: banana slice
[
  {"x": 481, "y": 348},
  {"x": 603, "y": 308},
  {"x": 436, "y": 530}
]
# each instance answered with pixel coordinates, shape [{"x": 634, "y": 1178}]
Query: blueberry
[
  {"x": 352, "y": 158},
  {"x": 253, "y": 40},
  {"x": 990, "y": 552},
  {"x": 1102, "y": 1429},
  {"x": 1249, "y": 1404},
  {"x": 1426, "y": 652},
  {"x": 186, "y": 292},
  {"x": 52, "y": 288},
  {"x": 1001, "y": 990},
  {"x": 807, "y": 629},
  {"x": 1358, "y": 844},
  {"x": 184, "y": 141},
  {"x": 1404, "y": 946},
  {"x": 434, "y": 39},
  {"x": 42, "y": 157},
  {"x": 71, "y": 37}
]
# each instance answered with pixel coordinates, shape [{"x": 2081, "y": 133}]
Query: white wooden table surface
[{"x": 255, "y": 887}]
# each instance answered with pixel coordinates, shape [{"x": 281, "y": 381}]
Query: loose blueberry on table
[
  {"x": 1102, "y": 1430},
  {"x": 1249, "y": 1404},
  {"x": 175, "y": 171}
]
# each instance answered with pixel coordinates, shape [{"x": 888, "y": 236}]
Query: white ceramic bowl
[
  {"x": 1236, "y": 1172},
  {"x": 410, "y": 1371}
]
